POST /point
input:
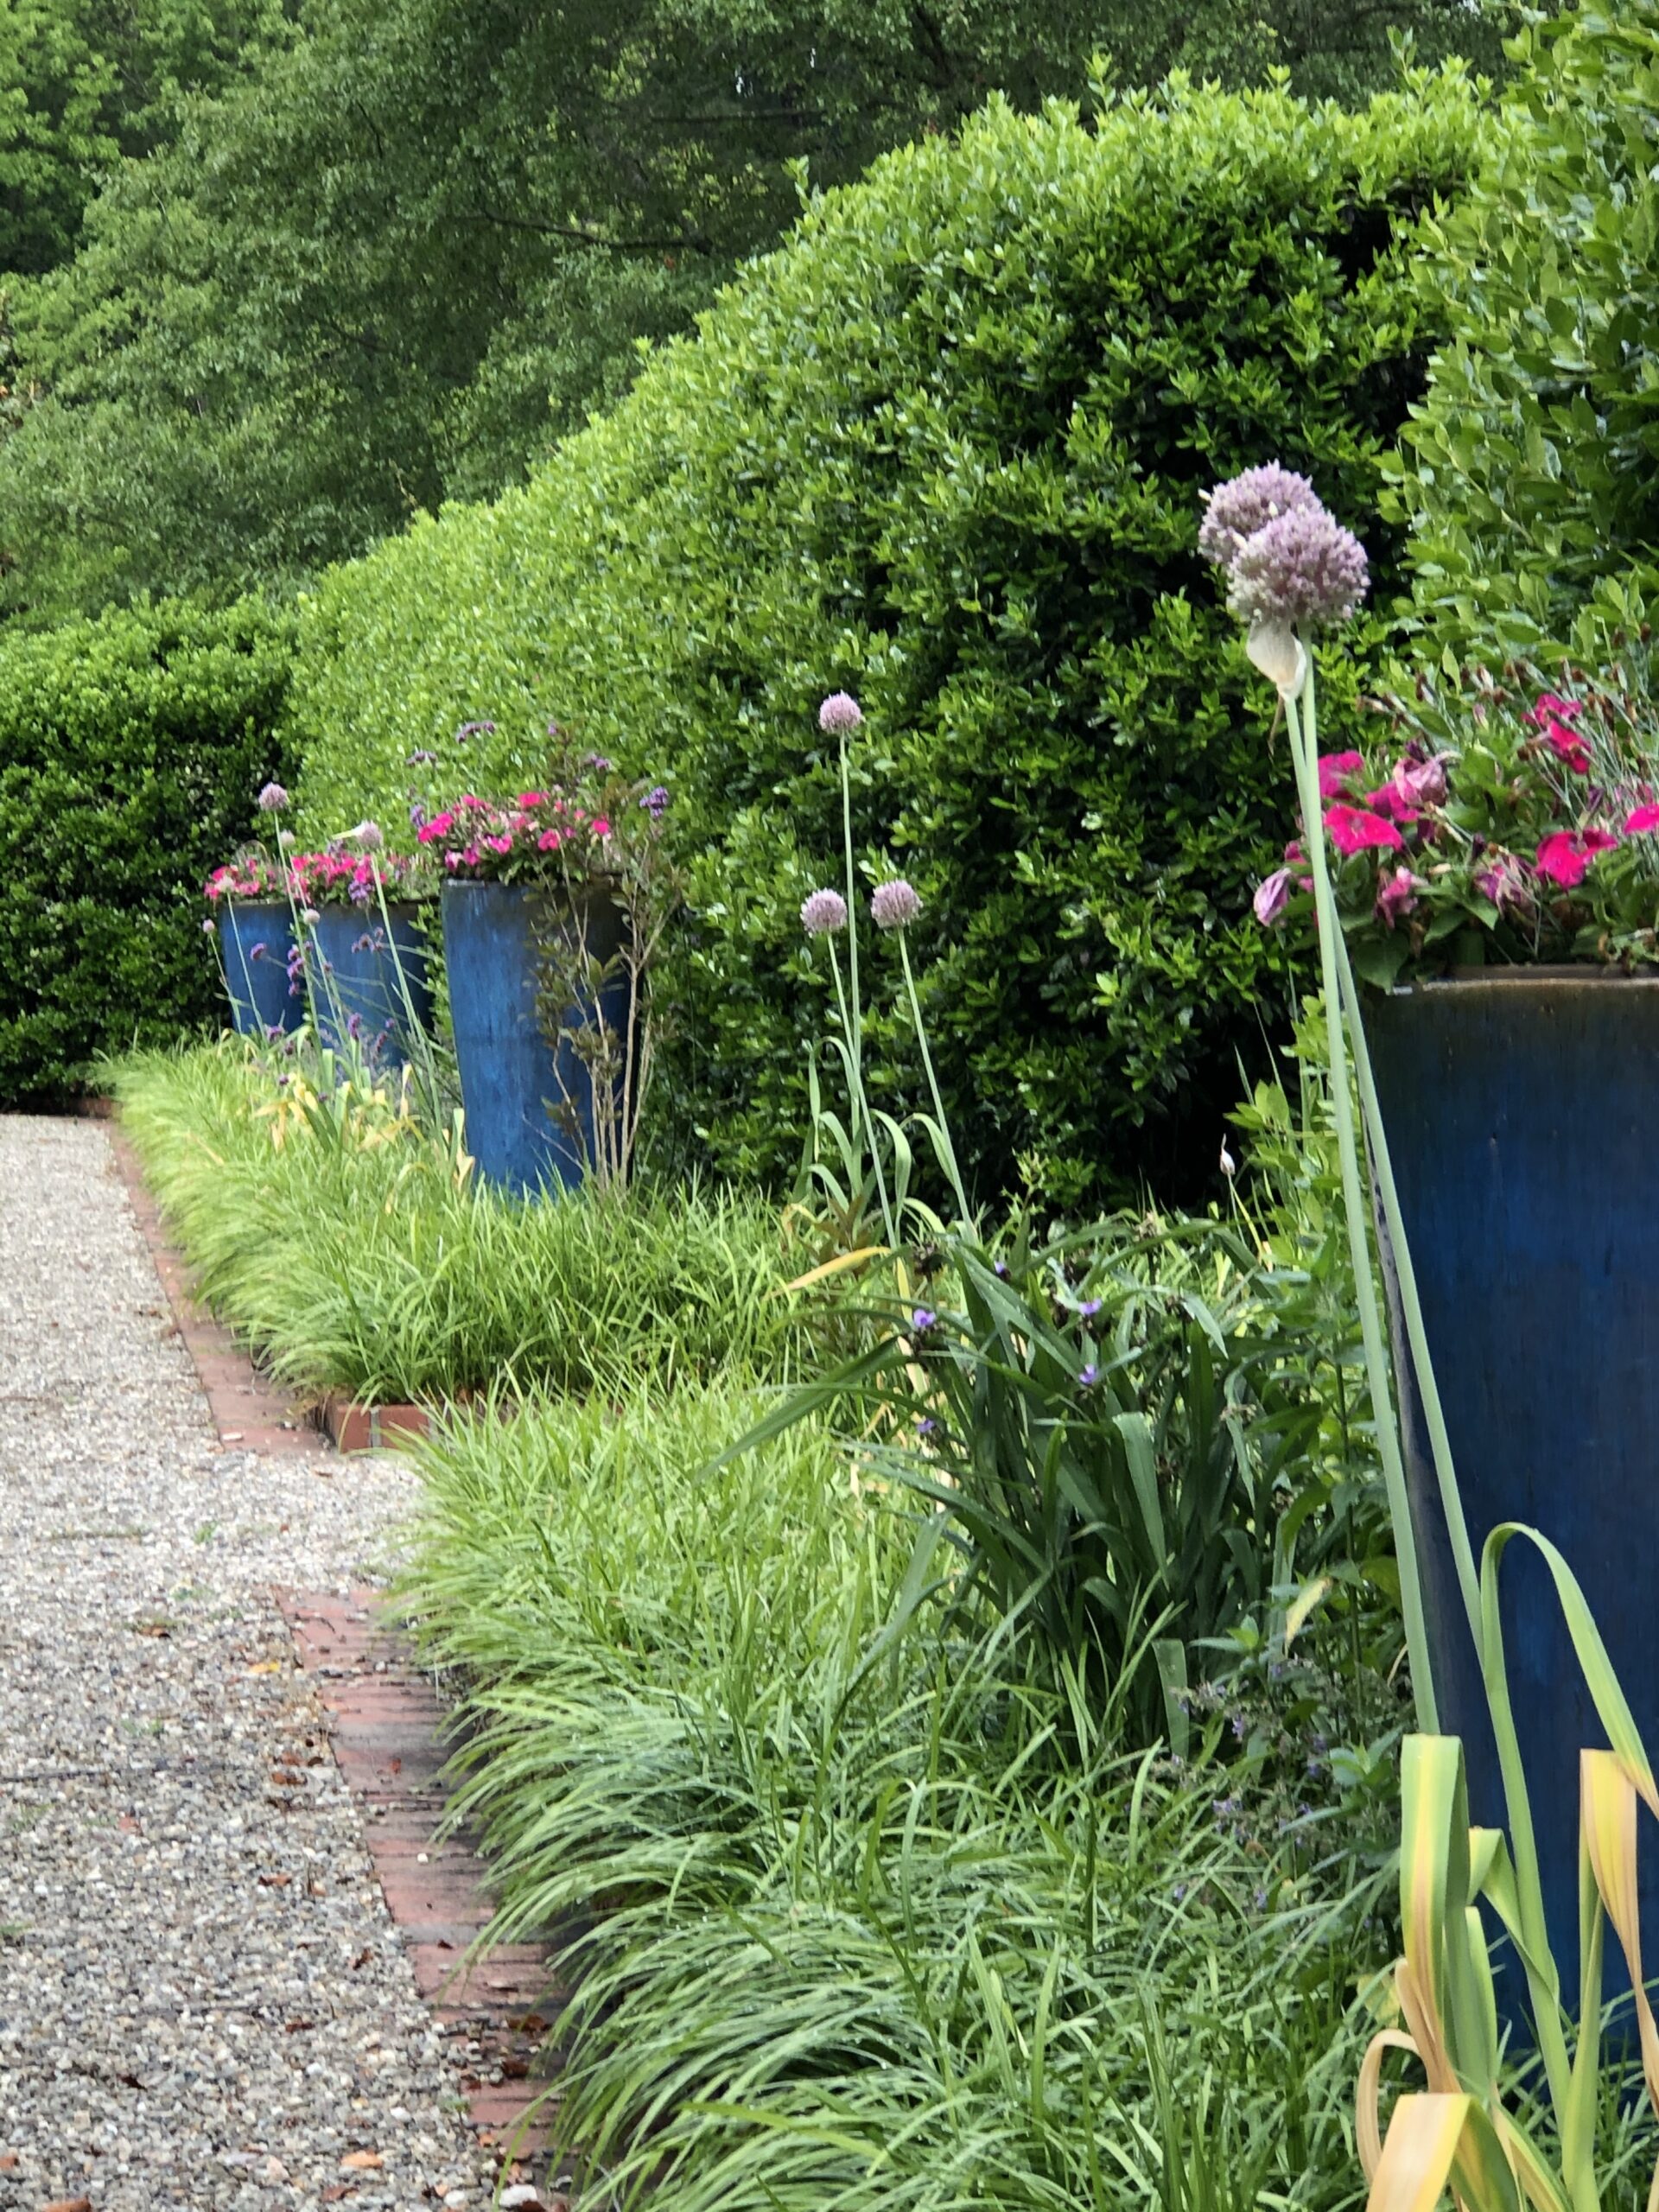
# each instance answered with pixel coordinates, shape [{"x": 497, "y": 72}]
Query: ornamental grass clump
[{"x": 1468, "y": 2131}]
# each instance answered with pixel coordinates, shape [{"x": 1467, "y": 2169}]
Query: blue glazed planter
[
  {"x": 512, "y": 1085},
  {"x": 255, "y": 939},
  {"x": 1520, "y": 1113},
  {"x": 354, "y": 979}
]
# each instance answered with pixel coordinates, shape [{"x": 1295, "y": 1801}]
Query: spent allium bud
[
  {"x": 1236, "y": 510},
  {"x": 823, "y": 913},
  {"x": 840, "y": 715},
  {"x": 894, "y": 905},
  {"x": 272, "y": 799},
  {"x": 366, "y": 834},
  {"x": 1303, "y": 568}
]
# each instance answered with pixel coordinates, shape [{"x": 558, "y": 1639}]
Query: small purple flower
[
  {"x": 259, "y": 951},
  {"x": 272, "y": 799},
  {"x": 840, "y": 715},
  {"x": 475, "y": 730},
  {"x": 894, "y": 905},
  {"x": 1088, "y": 1308},
  {"x": 358, "y": 893},
  {"x": 416, "y": 815},
  {"x": 1177, "y": 1893},
  {"x": 421, "y": 759},
  {"x": 1234, "y": 512},
  {"x": 1088, "y": 1376},
  {"x": 655, "y": 802},
  {"x": 273, "y": 1030},
  {"x": 924, "y": 1320},
  {"x": 364, "y": 944},
  {"x": 1303, "y": 568},
  {"x": 353, "y": 1027},
  {"x": 1000, "y": 1269},
  {"x": 823, "y": 913},
  {"x": 1272, "y": 898},
  {"x": 926, "y": 1424},
  {"x": 599, "y": 763}
]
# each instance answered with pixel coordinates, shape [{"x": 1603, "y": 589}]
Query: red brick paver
[
  {"x": 248, "y": 1409},
  {"x": 387, "y": 1725}
]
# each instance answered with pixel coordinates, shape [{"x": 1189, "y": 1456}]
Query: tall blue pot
[
  {"x": 255, "y": 939},
  {"x": 511, "y": 1084},
  {"x": 355, "y": 983},
  {"x": 1520, "y": 1110}
]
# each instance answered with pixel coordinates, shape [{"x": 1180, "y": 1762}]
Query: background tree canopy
[{"x": 385, "y": 255}]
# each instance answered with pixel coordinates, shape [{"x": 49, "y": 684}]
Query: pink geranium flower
[
  {"x": 1357, "y": 829},
  {"x": 1391, "y": 803},
  {"x": 550, "y": 841},
  {"x": 1338, "y": 772},
  {"x": 599, "y": 826},
  {"x": 1643, "y": 818},
  {"x": 1565, "y": 855},
  {"x": 1555, "y": 716}
]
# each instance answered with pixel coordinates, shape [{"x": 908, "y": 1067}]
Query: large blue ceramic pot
[
  {"x": 512, "y": 1085},
  {"x": 356, "y": 986},
  {"x": 256, "y": 938},
  {"x": 1522, "y": 1111}
]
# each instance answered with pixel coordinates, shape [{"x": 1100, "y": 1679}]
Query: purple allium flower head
[
  {"x": 823, "y": 913},
  {"x": 840, "y": 715},
  {"x": 1303, "y": 570},
  {"x": 924, "y": 1319},
  {"x": 368, "y": 835},
  {"x": 894, "y": 906},
  {"x": 1236, "y": 510},
  {"x": 655, "y": 802},
  {"x": 272, "y": 799}
]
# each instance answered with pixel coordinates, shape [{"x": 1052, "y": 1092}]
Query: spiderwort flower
[
  {"x": 923, "y": 1321},
  {"x": 272, "y": 799},
  {"x": 1088, "y": 1376},
  {"x": 894, "y": 905},
  {"x": 840, "y": 715},
  {"x": 1302, "y": 568},
  {"x": 1234, "y": 512},
  {"x": 823, "y": 913}
]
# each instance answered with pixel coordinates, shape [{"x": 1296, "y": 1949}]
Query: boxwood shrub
[
  {"x": 131, "y": 749},
  {"x": 944, "y": 448}
]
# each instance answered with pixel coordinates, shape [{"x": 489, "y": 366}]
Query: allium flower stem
[
  {"x": 864, "y": 1127},
  {"x": 1304, "y": 750},
  {"x": 947, "y": 1149}
]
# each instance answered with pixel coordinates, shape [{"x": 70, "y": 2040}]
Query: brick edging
[
  {"x": 247, "y": 1408},
  {"x": 386, "y": 1725}
]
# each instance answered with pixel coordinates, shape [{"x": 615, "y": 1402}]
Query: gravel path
[{"x": 203, "y": 2001}]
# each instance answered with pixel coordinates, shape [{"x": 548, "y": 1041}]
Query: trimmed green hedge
[
  {"x": 1530, "y": 475},
  {"x": 945, "y": 448},
  {"x": 131, "y": 750}
]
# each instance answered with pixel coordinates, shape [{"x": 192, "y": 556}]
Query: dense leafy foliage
[
  {"x": 84, "y": 83},
  {"x": 130, "y": 750},
  {"x": 946, "y": 448},
  {"x": 392, "y": 260},
  {"x": 1528, "y": 476}
]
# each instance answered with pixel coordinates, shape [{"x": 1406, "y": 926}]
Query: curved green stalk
[
  {"x": 1302, "y": 748},
  {"x": 943, "y": 1127},
  {"x": 860, "y": 1104}
]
